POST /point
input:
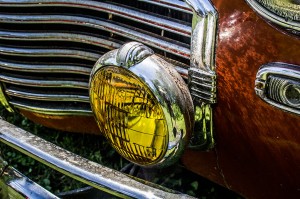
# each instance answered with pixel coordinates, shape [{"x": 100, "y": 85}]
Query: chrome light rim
[
  {"x": 290, "y": 25},
  {"x": 167, "y": 86}
]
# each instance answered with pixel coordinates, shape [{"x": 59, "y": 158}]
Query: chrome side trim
[
  {"x": 98, "y": 24},
  {"x": 57, "y": 36},
  {"x": 79, "y": 168},
  {"x": 141, "y": 17},
  {"x": 289, "y": 25},
  {"x": 271, "y": 82},
  {"x": 202, "y": 73},
  {"x": 46, "y": 96},
  {"x": 13, "y": 184}
]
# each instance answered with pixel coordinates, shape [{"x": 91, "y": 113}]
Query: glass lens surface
[{"x": 129, "y": 115}]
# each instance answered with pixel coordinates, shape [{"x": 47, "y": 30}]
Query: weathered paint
[{"x": 257, "y": 145}]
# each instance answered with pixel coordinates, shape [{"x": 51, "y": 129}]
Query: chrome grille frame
[{"x": 18, "y": 97}]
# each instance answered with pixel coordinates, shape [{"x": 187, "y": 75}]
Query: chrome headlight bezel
[
  {"x": 288, "y": 23},
  {"x": 168, "y": 87}
]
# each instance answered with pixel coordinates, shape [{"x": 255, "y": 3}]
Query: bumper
[
  {"x": 81, "y": 169},
  {"x": 15, "y": 185}
]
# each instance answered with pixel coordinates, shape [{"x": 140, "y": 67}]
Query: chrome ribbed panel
[{"x": 48, "y": 47}]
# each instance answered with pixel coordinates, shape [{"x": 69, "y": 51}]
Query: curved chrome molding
[
  {"x": 202, "y": 74},
  {"x": 289, "y": 25},
  {"x": 140, "y": 17},
  {"x": 3, "y": 99},
  {"x": 166, "y": 84},
  {"x": 272, "y": 82},
  {"x": 80, "y": 169},
  {"x": 98, "y": 24}
]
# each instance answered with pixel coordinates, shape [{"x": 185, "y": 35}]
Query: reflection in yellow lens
[{"x": 129, "y": 115}]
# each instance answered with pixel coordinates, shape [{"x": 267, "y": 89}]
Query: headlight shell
[
  {"x": 285, "y": 13},
  {"x": 142, "y": 105}
]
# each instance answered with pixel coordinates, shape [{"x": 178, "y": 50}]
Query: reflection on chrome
[{"x": 149, "y": 128}]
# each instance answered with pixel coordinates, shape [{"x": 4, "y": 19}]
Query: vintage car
[{"x": 213, "y": 83}]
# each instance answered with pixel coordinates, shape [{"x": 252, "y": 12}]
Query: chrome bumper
[
  {"x": 79, "y": 168},
  {"x": 14, "y": 185}
]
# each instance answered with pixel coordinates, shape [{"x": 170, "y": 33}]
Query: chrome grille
[{"x": 48, "y": 47}]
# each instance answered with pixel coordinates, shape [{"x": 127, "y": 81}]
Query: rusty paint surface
[
  {"x": 76, "y": 124},
  {"x": 257, "y": 146}
]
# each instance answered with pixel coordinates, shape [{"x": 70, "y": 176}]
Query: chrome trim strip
[
  {"x": 13, "y": 184},
  {"x": 203, "y": 35},
  {"x": 203, "y": 85},
  {"x": 46, "y": 96},
  {"x": 269, "y": 16},
  {"x": 34, "y": 107},
  {"x": 131, "y": 14},
  {"x": 182, "y": 71},
  {"x": 102, "y": 25},
  {"x": 202, "y": 73},
  {"x": 171, "y": 4},
  {"x": 30, "y": 52},
  {"x": 43, "y": 68},
  {"x": 57, "y": 36},
  {"x": 44, "y": 83},
  {"x": 79, "y": 168}
]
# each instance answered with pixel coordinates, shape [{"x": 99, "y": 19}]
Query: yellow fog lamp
[{"x": 142, "y": 105}]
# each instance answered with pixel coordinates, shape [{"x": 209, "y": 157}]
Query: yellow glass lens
[{"x": 129, "y": 115}]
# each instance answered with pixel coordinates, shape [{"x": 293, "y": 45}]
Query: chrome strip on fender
[{"x": 79, "y": 168}]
